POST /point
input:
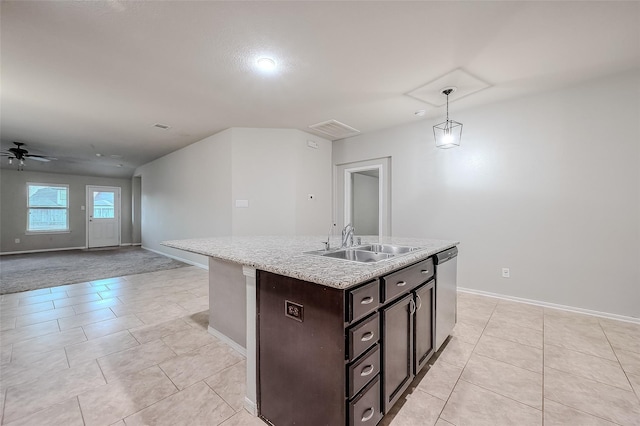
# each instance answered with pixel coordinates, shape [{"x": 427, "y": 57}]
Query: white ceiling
[{"x": 81, "y": 78}]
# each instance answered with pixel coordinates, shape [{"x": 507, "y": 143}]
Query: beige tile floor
[{"x": 134, "y": 350}]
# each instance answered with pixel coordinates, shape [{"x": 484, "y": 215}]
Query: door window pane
[{"x": 103, "y": 205}]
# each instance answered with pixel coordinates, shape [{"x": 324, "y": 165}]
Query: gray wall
[
  {"x": 191, "y": 192},
  {"x": 187, "y": 194},
  {"x": 548, "y": 186},
  {"x": 275, "y": 171},
  {"x": 13, "y": 210}
]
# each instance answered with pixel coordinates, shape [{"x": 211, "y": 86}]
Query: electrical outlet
[
  {"x": 506, "y": 273},
  {"x": 17, "y": 240},
  {"x": 310, "y": 197}
]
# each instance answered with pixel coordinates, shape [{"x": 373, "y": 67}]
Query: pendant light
[{"x": 449, "y": 132}]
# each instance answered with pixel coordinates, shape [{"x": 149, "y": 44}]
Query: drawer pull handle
[
  {"x": 366, "y": 371},
  {"x": 368, "y": 413},
  {"x": 401, "y": 283},
  {"x": 366, "y": 300},
  {"x": 424, "y": 271},
  {"x": 367, "y": 336}
]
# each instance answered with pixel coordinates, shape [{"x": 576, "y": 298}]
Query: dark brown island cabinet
[{"x": 341, "y": 357}]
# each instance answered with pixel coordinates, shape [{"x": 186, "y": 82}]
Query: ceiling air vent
[
  {"x": 161, "y": 126},
  {"x": 335, "y": 129}
]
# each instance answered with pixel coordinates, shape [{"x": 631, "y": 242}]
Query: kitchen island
[{"x": 242, "y": 269}]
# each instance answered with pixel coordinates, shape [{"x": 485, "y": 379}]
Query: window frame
[{"x": 29, "y": 207}]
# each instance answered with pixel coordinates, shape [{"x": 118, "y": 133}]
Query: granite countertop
[{"x": 285, "y": 256}]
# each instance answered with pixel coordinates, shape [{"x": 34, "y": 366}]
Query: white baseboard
[
  {"x": 234, "y": 345},
  {"x": 251, "y": 407},
  {"x": 190, "y": 262},
  {"x": 41, "y": 250},
  {"x": 552, "y": 305}
]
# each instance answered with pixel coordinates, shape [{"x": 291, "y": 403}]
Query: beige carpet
[{"x": 22, "y": 272}]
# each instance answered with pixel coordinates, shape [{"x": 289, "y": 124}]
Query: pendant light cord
[{"x": 447, "y": 107}]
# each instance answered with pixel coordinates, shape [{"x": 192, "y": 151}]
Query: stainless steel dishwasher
[{"x": 446, "y": 293}]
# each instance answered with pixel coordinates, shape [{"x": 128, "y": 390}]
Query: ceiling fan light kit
[{"x": 448, "y": 133}]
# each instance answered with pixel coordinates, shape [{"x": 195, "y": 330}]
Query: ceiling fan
[{"x": 20, "y": 154}]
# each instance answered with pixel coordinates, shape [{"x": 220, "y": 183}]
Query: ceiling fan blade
[{"x": 40, "y": 158}]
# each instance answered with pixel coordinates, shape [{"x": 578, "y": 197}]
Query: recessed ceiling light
[
  {"x": 98, "y": 155},
  {"x": 420, "y": 112},
  {"x": 162, "y": 126},
  {"x": 266, "y": 64},
  {"x": 116, "y": 156}
]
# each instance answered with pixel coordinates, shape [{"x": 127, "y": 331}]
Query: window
[{"x": 48, "y": 207}]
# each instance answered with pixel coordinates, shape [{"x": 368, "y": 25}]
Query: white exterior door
[{"x": 103, "y": 216}]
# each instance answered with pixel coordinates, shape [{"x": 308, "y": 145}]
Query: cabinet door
[
  {"x": 397, "y": 323},
  {"x": 424, "y": 325}
]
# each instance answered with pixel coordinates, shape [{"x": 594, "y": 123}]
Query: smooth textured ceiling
[{"x": 80, "y": 78}]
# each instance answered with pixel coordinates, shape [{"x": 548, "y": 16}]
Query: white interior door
[{"x": 103, "y": 216}]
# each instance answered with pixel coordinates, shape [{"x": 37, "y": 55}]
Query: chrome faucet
[{"x": 347, "y": 236}]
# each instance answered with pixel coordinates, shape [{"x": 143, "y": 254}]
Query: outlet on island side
[
  {"x": 506, "y": 273},
  {"x": 17, "y": 240}
]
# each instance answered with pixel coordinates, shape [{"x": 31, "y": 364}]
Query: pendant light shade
[{"x": 448, "y": 133}]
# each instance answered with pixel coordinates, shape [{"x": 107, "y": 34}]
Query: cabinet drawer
[
  {"x": 362, "y": 336},
  {"x": 365, "y": 408},
  {"x": 361, "y": 372},
  {"x": 363, "y": 301},
  {"x": 406, "y": 279}
]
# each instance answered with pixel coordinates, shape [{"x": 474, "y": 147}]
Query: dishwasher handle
[{"x": 446, "y": 255}]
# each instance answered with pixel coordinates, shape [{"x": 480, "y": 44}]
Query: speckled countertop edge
[{"x": 285, "y": 256}]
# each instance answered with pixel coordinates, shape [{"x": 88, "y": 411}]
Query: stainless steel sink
[
  {"x": 369, "y": 253},
  {"x": 358, "y": 255},
  {"x": 387, "y": 248}
]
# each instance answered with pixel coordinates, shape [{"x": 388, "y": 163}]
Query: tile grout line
[
  {"x": 504, "y": 396},
  {"x": 508, "y": 363},
  {"x": 80, "y": 408},
  {"x": 220, "y": 396},
  {"x": 592, "y": 380},
  {"x": 584, "y": 412},
  {"x": 4, "y": 406},
  {"x": 153, "y": 403},
  {"x": 583, "y": 353},
  {"x": 633, "y": 390},
  {"x": 465, "y": 364}
]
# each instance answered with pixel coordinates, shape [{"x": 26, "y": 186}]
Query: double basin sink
[{"x": 369, "y": 253}]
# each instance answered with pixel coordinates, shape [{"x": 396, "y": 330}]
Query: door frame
[
  {"x": 343, "y": 188},
  {"x": 88, "y": 194},
  {"x": 348, "y": 193}
]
